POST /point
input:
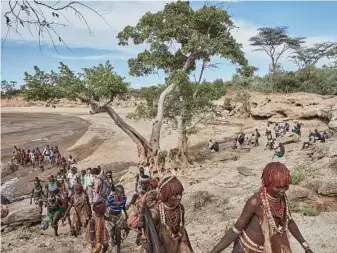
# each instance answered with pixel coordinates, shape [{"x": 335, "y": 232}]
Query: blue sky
[{"x": 315, "y": 20}]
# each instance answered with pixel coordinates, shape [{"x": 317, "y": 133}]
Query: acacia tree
[
  {"x": 308, "y": 56},
  {"x": 275, "y": 42},
  {"x": 97, "y": 86},
  {"x": 198, "y": 35}
]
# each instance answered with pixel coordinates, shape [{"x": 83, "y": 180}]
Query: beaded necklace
[
  {"x": 271, "y": 220},
  {"x": 171, "y": 221}
]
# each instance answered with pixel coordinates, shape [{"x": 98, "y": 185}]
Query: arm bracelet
[
  {"x": 236, "y": 231},
  {"x": 305, "y": 245}
]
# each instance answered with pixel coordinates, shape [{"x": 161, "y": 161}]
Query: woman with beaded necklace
[
  {"x": 265, "y": 219},
  {"x": 168, "y": 216}
]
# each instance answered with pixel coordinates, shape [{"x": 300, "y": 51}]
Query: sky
[{"x": 20, "y": 51}]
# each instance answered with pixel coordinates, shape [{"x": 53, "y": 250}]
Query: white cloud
[{"x": 118, "y": 14}]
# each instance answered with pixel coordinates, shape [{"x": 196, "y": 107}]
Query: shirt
[
  {"x": 73, "y": 179},
  {"x": 88, "y": 181},
  {"x": 116, "y": 206}
]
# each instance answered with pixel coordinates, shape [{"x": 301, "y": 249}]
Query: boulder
[
  {"x": 245, "y": 171},
  {"x": 323, "y": 186},
  {"x": 328, "y": 187},
  {"x": 297, "y": 192},
  {"x": 28, "y": 216},
  {"x": 8, "y": 168}
]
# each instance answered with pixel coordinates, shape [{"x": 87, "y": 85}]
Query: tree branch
[{"x": 39, "y": 18}]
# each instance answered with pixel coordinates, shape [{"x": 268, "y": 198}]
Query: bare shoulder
[{"x": 254, "y": 201}]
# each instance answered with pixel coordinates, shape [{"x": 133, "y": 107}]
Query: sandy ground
[
  {"x": 214, "y": 191},
  {"x": 32, "y": 130}
]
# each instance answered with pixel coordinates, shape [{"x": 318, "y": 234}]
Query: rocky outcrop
[
  {"x": 8, "y": 168},
  {"x": 297, "y": 192},
  {"x": 328, "y": 187},
  {"x": 277, "y": 107},
  {"x": 28, "y": 216}
]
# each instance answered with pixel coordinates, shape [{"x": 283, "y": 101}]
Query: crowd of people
[
  {"x": 36, "y": 156},
  {"x": 273, "y": 139},
  {"x": 91, "y": 203}
]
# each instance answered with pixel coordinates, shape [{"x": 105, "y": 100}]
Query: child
[
  {"x": 37, "y": 194},
  {"x": 54, "y": 211},
  {"x": 97, "y": 233}
]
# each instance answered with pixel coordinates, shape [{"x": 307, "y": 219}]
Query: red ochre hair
[
  {"x": 275, "y": 174},
  {"x": 173, "y": 187}
]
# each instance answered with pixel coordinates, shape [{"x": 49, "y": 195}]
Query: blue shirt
[{"x": 114, "y": 205}]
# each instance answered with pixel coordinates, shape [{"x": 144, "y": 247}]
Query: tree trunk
[
  {"x": 145, "y": 151},
  {"x": 182, "y": 155},
  {"x": 157, "y": 124}
]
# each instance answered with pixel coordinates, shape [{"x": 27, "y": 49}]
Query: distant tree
[
  {"x": 275, "y": 42},
  {"x": 8, "y": 89},
  {"x": 309, "y": 56},
  {"x": 42, "y": 18}
]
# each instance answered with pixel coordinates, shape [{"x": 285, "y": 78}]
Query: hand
[
  {"x": 143, "y": 242},
  {"x": 126, "y": 207}
]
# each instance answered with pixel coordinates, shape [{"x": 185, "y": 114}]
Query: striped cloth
[{"x": 116, "y": 206}]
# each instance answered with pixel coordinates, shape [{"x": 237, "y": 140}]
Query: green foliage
[
  {"x": 98, "y": 82},
  {"x": 308, "y": 56},
  {"x": 310, "y": 79},
  {"x": 177, "y": 32},
  {"x": 300, "y": 173},
  {"x": 150, "y": 96},
  {"x": 175, "y": 35},
  {"x": 310, "y": 211}
]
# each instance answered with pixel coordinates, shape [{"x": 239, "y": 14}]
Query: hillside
[{"x": 215, "y": 187}]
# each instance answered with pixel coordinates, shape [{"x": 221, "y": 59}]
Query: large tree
[
  {"x": 97, "y": 86},
  {"x": 309, "y": 56},
  {"x": 179, "y": 37},
  {"x": 275, "y": 42},
  {"x": 198, "y": 35}
]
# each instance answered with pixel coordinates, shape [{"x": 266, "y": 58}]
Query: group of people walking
[
  {"x": 39, "y": 157},
  {"x": 91, "y": 202}
]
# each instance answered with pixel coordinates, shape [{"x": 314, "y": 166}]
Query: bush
[
  {"x": 309, "y": 211},
  {"x": 299, "y": 174}
]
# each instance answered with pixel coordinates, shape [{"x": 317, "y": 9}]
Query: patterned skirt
[{"x": 101, "y": 232}]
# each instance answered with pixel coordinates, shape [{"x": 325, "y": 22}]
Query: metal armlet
[{"x": 236, "y": 231}]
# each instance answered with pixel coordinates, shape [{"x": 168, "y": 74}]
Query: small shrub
[
  {"x": 299, "y": 174},
  {"x": 309, "y": 211},
  {"x": 294, "y": 207}
]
